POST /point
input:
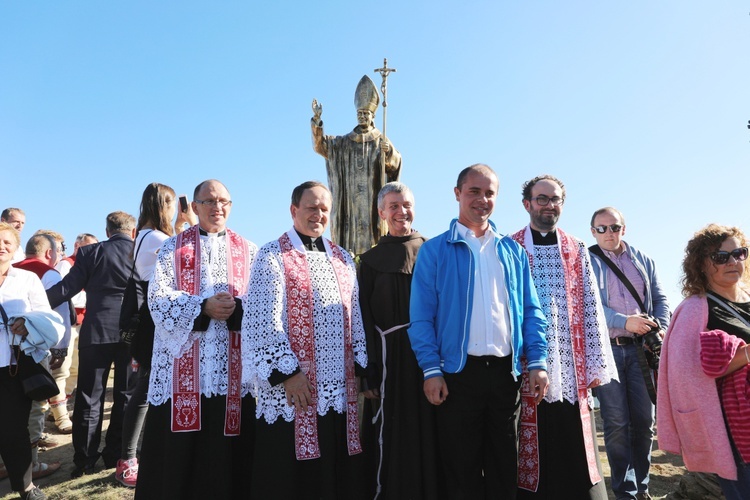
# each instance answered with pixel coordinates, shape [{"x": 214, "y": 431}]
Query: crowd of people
[{"x": 463, "y": 366}]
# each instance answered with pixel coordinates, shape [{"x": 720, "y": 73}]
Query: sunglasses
[
  {"x": 722, "y": 257},
  {"x": 615, "y": 228}
]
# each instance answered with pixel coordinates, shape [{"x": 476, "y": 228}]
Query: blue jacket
[
  {"x": 655, "y": 298},
  {"x": 442, "y": 296}
]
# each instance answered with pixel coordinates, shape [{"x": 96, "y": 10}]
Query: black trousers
[
  {"x": 336, "y": 475},
  {"x": 196, "y": 465},
  {"x": 563, "y": 468},
  {"x": 14, "y": 431},
  {"x": 94, "y": 364},
  {"x": 477, "y": 430}
]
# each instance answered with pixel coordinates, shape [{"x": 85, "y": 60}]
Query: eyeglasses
[
  {"x": 543, "y": 201},
  {"x": 722, "y": 257},
  {"x": 62, "y": 245},
  {"x": 615, "y": 228},
  {"x": 214, "y": 203}
]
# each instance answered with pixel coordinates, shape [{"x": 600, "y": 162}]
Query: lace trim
[
  {"x": 265, "y": 323},
  {"x": 174, "y": 313}
]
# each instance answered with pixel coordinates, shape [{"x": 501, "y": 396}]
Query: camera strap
[
  {"x": 596, "y": 250},
  {"x": 138, "y": 249},
  {"x": 728, "y": 308},
  {"x": 645, "y": 369}
]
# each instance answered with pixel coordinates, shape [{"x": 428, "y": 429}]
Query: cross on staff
[{"x": 384, "y": 72}]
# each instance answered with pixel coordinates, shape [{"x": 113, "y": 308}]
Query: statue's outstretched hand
[{"x": 317, "y": 109}]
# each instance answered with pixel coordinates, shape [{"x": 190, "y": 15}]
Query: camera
[{"x": 652, "y": 344}]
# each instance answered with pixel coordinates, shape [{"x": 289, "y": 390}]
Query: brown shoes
[{"x": 41, "y": 469}]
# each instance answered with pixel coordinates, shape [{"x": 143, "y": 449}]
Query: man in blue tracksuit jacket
[{"x": 474, "y": 314}]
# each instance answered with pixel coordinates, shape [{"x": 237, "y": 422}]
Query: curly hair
[{"x": 704, "y": 243}]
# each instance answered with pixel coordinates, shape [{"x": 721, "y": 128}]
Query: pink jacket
[{"x": 688, "y": 410}]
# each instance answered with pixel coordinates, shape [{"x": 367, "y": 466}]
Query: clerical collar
[
  {"x": 313, "y": 245},
  {"x": 203, "y": 232},
  {"x": 549, "y": 238}
]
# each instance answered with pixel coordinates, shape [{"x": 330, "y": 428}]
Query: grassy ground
[{"x": 666, "y": 471}]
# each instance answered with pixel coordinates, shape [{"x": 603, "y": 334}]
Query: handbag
[
  {"x": 132, "y": 299},
  {"x": 37, "y": 382}
]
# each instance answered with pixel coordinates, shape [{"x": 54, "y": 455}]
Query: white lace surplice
[
  {"x": 174, "y": 313},
  {"x": 549, "y": 279},
  {"x": 264, "y": 328}
]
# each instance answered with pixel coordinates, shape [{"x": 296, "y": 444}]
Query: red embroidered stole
[
  {"x": 528, "y": 450},
  {"x": 186, "y": 397},
  {"x": 301, "y": 331}
]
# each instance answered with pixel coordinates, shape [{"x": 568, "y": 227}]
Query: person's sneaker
[
  {"x": 41, "y": 469},
  {"x": 33, "y": 494},
  {"x": 46, "y": 442},
  {"x": 126, "y": 472}
]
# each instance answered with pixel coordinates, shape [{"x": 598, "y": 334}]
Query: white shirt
[
  {"x": 145, "y": 261},
  {"x": 489, "y": 325},
  {"x": 50, "y": 279},
  {"x": 21, "y": 292},
  {"x": 79, "y": 299},
  {"x": 19, "y": 255}
]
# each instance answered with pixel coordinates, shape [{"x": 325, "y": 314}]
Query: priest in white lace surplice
[
  {"x": 194, "y": 444},
  {"x": 557, "y": 449},
  {"x": 303, "y": 322}
]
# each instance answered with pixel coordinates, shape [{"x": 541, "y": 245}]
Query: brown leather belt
[{"x": 622, "y": 340}]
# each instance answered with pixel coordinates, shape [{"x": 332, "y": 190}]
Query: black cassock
[{"x": 407, "y": 461}]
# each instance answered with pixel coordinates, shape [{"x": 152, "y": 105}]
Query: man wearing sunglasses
[
  {"x": 627, "y": 410},
  {"x": 557, "y": 451}
]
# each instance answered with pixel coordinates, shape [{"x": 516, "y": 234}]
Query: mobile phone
[{"x": 183, "y": 204}]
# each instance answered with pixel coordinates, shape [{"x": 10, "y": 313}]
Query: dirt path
[{"x": 666, "y": 471}]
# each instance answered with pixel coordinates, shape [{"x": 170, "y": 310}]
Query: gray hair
[
  {"x": 393, "y": 187},
  {"x": 120, "y": 222}
]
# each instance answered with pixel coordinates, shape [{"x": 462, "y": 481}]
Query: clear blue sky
[{"x": 642, "y": 105}]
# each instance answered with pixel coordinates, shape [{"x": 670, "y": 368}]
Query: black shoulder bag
[
  {"x": 36, "y": 381},
  {"x": 132, "y": 299},
  {"x": 647, "y": 359}
]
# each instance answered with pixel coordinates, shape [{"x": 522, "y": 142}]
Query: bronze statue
[{"x": 358, "y": 164}]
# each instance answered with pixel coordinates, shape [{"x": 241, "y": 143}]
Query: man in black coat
[{"x": 103, "y": 270}]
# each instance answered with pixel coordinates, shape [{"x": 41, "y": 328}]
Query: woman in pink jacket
[{"x": 703, "y": 408}]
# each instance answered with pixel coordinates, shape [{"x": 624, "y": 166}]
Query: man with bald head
[
  {"x": 193, "y": 444},
  {"x": 474, "y": 315},
  {"x": 627, "y": 407}
]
